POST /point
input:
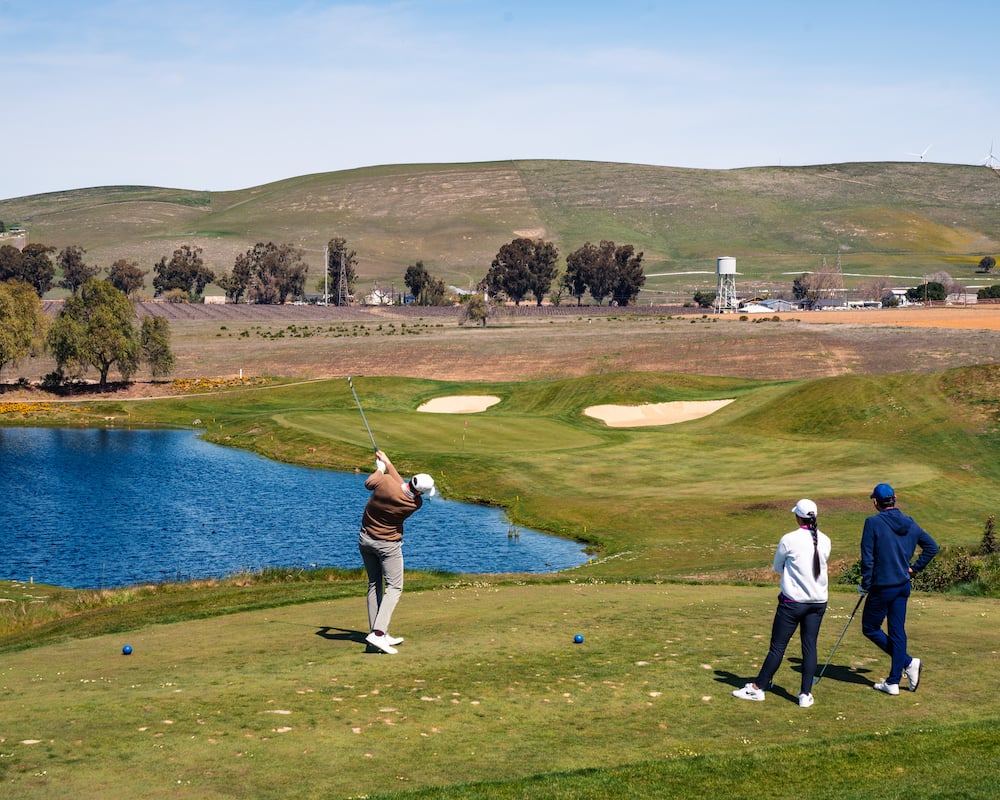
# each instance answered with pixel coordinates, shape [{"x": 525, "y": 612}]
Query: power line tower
[{"x": 343, "y": 296}]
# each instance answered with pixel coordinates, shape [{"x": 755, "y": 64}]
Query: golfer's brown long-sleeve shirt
[{"x": 389, "y": 506}]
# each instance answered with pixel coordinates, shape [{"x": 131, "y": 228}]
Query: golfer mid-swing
[{"x": 393, "y": 499}]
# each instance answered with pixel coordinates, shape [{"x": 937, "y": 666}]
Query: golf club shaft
[
  {"x": 855, "y": 611},
  {"x": 363, "y": 418}
]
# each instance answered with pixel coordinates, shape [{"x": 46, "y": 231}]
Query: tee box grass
[{"x": 489, "y": 685}]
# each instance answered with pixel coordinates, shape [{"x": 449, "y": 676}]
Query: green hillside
[{"x": 898, "y": 219}]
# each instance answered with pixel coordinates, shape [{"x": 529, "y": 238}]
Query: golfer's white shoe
[
  {"x": 805, "y": 700},
  {"x": 381, "y": 642},
  {"x": 913, "y": 673},
  {"x": 394, "y": 640},
  {"x": 748, "y": 692},
  {"x": 888, "y": 688}
]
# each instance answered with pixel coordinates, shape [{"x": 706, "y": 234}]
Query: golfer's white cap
[
  {"x": 424, "y": 484},
  {"x": 805, "y": 508}
]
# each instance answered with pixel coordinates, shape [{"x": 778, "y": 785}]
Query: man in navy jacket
[{"x": 888, "y": 542}]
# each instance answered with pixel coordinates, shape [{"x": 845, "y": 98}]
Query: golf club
[
  {"x": 855, "y": 611},
  {"x": 364, "y": 419}
]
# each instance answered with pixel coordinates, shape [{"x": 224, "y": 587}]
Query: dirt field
[
  {"x": 973, "y": 317},
  {"x": 308, "y": 342}
]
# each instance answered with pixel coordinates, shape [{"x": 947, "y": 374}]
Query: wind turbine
[
  {"x": 921, "y": 155},
  {"x": 991, "y": 160}
]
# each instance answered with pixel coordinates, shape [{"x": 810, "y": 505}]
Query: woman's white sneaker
[{"x": 748, "y": 692}]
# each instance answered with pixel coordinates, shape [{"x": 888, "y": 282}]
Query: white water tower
[{"x": 725, "y": 296}]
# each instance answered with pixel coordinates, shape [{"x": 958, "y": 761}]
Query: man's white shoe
[
  {"x": 381, "y": 642},
  {"x": 805, "y": 700},
  {"x": 913, "y": 673},
  {"x": 394, "y": 640},
  {"x": 749, "y": 693},
  {"x": 888, "y": 688}
]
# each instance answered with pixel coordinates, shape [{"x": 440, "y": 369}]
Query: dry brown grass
[{"x": 312, "y": 342}]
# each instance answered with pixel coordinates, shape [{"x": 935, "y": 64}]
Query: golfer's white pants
[{"x": 384, "y": 565}]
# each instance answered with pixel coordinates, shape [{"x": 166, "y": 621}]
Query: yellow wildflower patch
[
  {"x": 23, "y": 409},
  {"x": 215, "y": 384}
]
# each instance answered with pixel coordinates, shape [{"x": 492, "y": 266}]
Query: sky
[{"x": 228, "y": 94}]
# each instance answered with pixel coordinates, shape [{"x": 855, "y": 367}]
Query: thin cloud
[{"x": 230, "y": 94}]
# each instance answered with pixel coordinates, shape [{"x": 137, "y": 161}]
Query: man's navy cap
[{"x": 883, "y": 492}]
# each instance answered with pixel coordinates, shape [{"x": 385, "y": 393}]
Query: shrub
[
  {"x": 989, "y": 543},
  {"x": 851, "y": 574},
  {"x": 952, "y": 569},
  {"x": 53, "y": 380}
]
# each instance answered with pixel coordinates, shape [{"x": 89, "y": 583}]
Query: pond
[{"x": 87, "y": 508}]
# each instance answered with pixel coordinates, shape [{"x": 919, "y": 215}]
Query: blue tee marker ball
[
  {"x": 127, "y": 650},
  {"x": 578, "y": 638}
]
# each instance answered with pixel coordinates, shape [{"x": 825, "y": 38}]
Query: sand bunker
[
  {"x": 655, "y": 413},
  {"x": 459, "y": 404}
]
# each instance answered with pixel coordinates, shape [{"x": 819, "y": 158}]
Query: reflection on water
[{"x": 104, "y": 508}]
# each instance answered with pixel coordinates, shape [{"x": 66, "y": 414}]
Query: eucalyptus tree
[
  {"x": 22, "y": 323},
  {"x": 96, "y": 328},
  {"x": 75, "y": 270},
  {"x": 629, "y": 277},
  {"x": 602, "y": 275},
  {"x": 605, "y": 270},
  {"x": 579, "y": 266},
  {"x": 266, "y": 274},
  {"x": 184, "y": 270},
  {"x": 154, "y": 340},
  {"x": 36, "y": 267},
  {"x": 523, "y": 266},
  {"x": 10, "y": 263},
  {"x": 425, "y": 288},
  {"x": 126, "y": 277}
]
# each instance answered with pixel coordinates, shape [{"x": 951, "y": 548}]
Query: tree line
[
  {"x": 272, "y": 273},
  {"x": 96, "y": 327},
  {"x": 521, "y": 268}
]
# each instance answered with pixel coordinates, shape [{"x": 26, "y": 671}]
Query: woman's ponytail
[{"x": 813, "y": 528}]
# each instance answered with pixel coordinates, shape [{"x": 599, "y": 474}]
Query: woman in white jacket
[{"x": 801, "y": 561}]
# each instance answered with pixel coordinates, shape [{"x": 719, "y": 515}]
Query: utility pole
[{"x": 326, "y": 275}]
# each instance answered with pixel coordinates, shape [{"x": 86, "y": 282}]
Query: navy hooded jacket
[{"x": 888, "y": 542}]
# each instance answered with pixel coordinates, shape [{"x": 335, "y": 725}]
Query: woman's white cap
[
  {"x": 805, "y": 508},
  {"x": 424, "y": 484}
]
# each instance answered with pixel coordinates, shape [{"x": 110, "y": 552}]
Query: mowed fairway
[{"x": 279, "y": 699}]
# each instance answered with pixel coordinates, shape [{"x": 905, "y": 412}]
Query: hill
[{"x": 903, "y": 220}]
